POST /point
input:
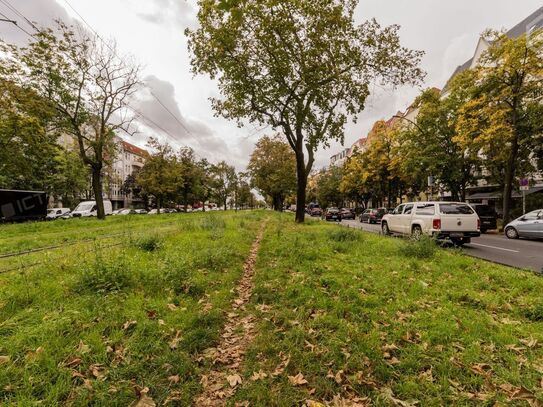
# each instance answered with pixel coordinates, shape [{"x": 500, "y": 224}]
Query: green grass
[
  {"x": 384, "y": 318},
  {"x": 92, "y": 323},
  {"x": 356, "y": 314}
]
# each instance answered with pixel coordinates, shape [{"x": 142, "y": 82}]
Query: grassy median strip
[
  {"x": 104, "y": 326},
  {"x": 352, "y": 317}
]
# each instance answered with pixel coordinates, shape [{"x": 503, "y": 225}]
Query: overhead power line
[
  {"x": 17, "y": 12},
  {"x": 139, "y": 113},
  {"x": 115, "y": 53}
]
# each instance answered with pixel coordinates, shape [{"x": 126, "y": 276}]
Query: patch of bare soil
[{"x": 219, "y": 384}]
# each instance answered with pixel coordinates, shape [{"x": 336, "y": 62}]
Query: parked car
[
  {"x": 141, "y": 212},
  {"x": 126, "y": 211},
  {"x": 19, "y": 206},
  {"x": 347, "y": 214},
  {"x": 373, "y": 215},
  {"x": 332, "y": 215},
  {"x": 454, "y": 221},
  {"x": 528, "y": 226},
  {"x": 88, "y": 208},
  {"x": 316, "y": 211},
  {"x": 57, "y": 213},
  {"x": 488, "y": 216}
]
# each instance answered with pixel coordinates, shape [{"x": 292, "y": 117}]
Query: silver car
[{"x": 529, "y": 225}]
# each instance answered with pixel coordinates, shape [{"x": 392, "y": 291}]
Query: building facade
[{"x": 129, "y": 160}]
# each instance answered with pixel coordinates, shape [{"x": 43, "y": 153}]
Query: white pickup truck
[{"x": 456, "y": 221}]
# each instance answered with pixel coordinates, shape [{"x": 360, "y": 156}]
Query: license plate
[
  {"x": 457, "y": 235},
  {"x": 334, "y": 217}
]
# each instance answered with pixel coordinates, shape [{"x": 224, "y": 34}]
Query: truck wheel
[
  {"x": 385, "y": 229},
  {"x": 511, "y": 233},
  {"x": 416, "y": 232}
]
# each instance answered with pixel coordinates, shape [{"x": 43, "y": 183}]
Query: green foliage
[
  {"x": 104, "y": 275},
  {"x": 344, "y": 235},
  {"x": 160, "y": 176},
  {"x": 422, "y": 248},
  {"x": 273, "y": 169},
  {"x": 328, "y": 187},
  {"x": 149, "y": 243},
  {"x": 303, "y": 67},
  {"x": 503, "y": 118},
  {"x": 85, "y": 83}
]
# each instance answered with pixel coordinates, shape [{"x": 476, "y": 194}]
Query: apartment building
[{"x": 128, "y": 161}]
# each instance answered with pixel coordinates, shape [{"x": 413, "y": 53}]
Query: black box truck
[{"x": 20, "y": 206}]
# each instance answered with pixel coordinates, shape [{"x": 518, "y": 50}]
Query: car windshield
[
  {"x": 50, "y": 211},
  {"x": 84, "y": 207},
  {"x": 484, "y": 210},
  {"x": 455, "y": 209},
  {"x": 333, "y": 210}
]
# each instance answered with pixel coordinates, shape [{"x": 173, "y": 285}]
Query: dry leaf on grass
[
  {"x": 4, "y": 359},
  {"x": 389, "y": 395},
  {"x": 258, "y": 376},
  {"x": 97, "y": 371},
  {"x": 174, "y": 379},
  {"x": 172, "y": 307},
  {"x": 297, "y": 380},
  {"x": 72, "y": 362},
  {"x": 531, "y": 342},
  {"x": 82, "y": 348},
  {"x": 129, "y": 324},
  {"x": 175, "y": 341},
  {"x": 144, "y": 401},
  {"x": 234, "y": 380}
]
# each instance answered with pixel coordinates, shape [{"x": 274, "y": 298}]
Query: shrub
[
  {"x": 344, "y": 235},
  {"x": 422, "y": 248},
  {"x": 105, "y": 276},
  {"x": 212, "y": 222},
  {"x": 535, "y": 313},
  {"x": 149, "y": 243}
]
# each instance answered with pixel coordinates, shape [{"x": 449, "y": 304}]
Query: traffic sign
[{"x": 524, "y": 188}]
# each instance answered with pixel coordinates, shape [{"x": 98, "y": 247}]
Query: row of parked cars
[
  {"x": 88, "y": 209},
  {"x": 458, "y": 222}
]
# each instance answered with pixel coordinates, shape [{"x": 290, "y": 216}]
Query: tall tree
[
  {"x": 503, "y": 120},
  {"x": 161, "y": 175},
  {"x": 28, "y": 137},
  {"x": 273, "y": 170},
  {"x": 429, "y": 143},
  {"x": 301, "y": 66},
  {"x": 223, "y": 181},
  {"x": 89, "y": 87},
  {"x": 328, "y": 187}
]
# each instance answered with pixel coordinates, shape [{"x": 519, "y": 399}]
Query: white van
[
  {"x": 455, "y": 221},
  {"x": 88, "y": 208}
]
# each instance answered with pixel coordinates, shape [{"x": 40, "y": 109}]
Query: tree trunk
[
  {"x": 509, "y": 178},
  {"x": 301, "y": 189},
  {"x": 97, "y": 189}
]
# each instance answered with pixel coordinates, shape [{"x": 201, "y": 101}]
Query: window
[
  {"x": 408, "y": 209},
  {"x": 426, "y": 209},
  {"x": 455, "y": 209},
  {"x": 532, "y": 216},
  {"x": 398, "y": 210}
]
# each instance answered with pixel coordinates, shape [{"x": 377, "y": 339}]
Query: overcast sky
[{"x": 152, "y": 30}]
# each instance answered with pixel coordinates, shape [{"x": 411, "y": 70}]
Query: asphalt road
[{"x": 524, "y": 254}]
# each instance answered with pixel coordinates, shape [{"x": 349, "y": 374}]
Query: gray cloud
[
  {"x": 42, "y": 13},
  {"x": 170, "y": 125},
  {"x": 177, "y": 12}
]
